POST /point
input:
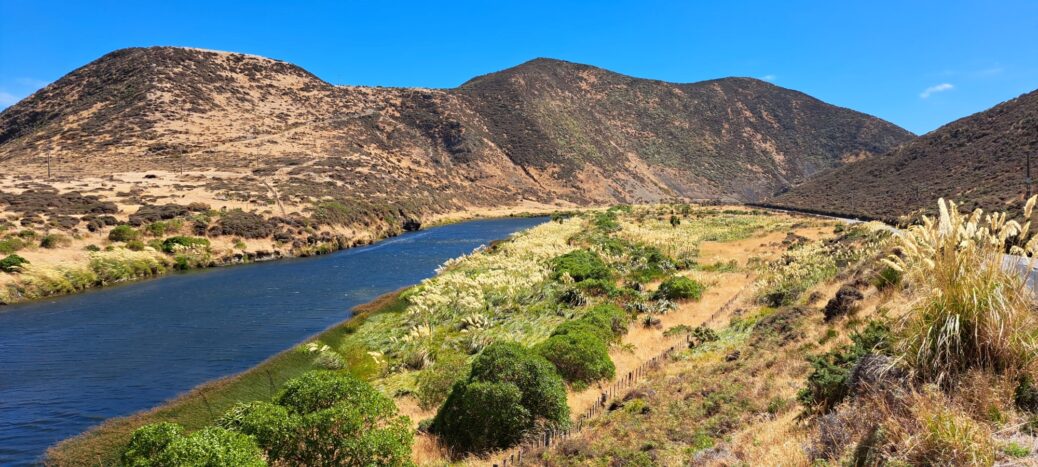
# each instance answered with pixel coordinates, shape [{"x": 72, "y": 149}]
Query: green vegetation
[
  {"x": 828, "y": 385},
  {"x": 123, "y": 233},
  {"x": 54, "y": 240},
  {"x": 579, "y": 356},
  {"x": 508, "y": 392},
  {"x": 680, "y": 288},
  {"x": 164, "y": 444},
  {"x": 328, "y": 418},
  {"x": 581, "y": 265},
  {"x": 12, "y": 263},
  {"x": 175, "y": 244},
  {"x": 10, "y": 245}
]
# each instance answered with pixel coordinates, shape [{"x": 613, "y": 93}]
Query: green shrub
[
  {"x": 606, "y": 221},
  {"x": 269, "y": 424},
  {"x": 827, "y": 385},
  {"x": 326, "y": 418},
  {"x": 54, "y": 240},
  {"x": 123, "y": 233},
  {"x": 582, "y": 326},
  {"x": 581, "y": 265},
  {"x": 580, "y": 357},
  {"x": 164, "y": 444},
  {"x": 92, "y": 248},
  {"x": 212, "y": 447},
  {"x": 148, "y": 442},
  {"x": 10, "y": 245},
  {"x": 608, "y": 316},
  {"x": 172, "y": 244},
  {"x": 680, "y": 288},
  {"x": 434, "y": 383},
  {"x": 12, "y": 263},
  {"x": 509, "y": 391},
  {"x": 135, "y": 245},
  {"x": 598, "y": 287}
]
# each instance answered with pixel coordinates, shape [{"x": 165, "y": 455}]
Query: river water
[{"x": 69, "y": 363}]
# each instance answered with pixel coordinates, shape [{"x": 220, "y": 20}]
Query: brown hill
[
  {"x": 979, "y": 161},
  {"x": 545, "y": 130}
]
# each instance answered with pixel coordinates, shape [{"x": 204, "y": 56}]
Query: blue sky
[{"x": 919, "y": 64}]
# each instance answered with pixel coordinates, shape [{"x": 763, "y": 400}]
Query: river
[{"x": 69, "y": 363}]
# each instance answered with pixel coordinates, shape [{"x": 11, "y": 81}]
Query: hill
[
  {"x": 979, "y": 161},
  {"x": 264, "y": 159}
]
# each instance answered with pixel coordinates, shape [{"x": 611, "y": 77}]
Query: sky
[{"x": 918, "y": 64}]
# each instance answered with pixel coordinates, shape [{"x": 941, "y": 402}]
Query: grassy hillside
[
  {"x": 666, "y": 269},
  {"x": 921, "y": 352}
]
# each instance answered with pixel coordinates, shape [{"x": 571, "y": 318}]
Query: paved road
[{"x": 1022, "y": 265}]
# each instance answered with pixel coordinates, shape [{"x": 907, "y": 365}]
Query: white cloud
[
  {"x": 936, "y": 89},
  {"x": 768, "y": 78}
]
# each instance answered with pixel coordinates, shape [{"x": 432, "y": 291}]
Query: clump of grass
[
  {"x": 12, "y": 263},
  {"x": 974, "y": 313}
]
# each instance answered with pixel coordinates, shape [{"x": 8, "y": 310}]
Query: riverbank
[
  {"x": 721, "y": 241},
  {"x": 76, "y": 264}
]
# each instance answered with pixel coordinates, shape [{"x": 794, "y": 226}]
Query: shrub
[
  {"x": 212, "y": 447},
  {"x": 582, "y": 326},
  {"x": 163, "y": 444},
  {"x": 606, "y": 221},
  {"x": 975, "y": 313},
  {"x": 680, "y": 288},
  {"x": 508, "y": 392},
  {"x": 148, "y": 441},
  {"x": 326, "y": 418},
  {"x": 172, "y": 244},
  {"x": 123, "y": 233},
  {"x": 10, "y": 245},
  {"x": 435, "y": 383},
  {"x": 581, "y": 265},
  {"x": 608, "y": 316},
  {"x": 12, "y": 263},
  {"x": 580, "y": 357},
  {"x": 243, "y": 224},
  {"x": 828, "y": 383},
  {"x": 950, "y": 438},
  {"x": 135, "y": 245},
  {"x": 54, "y": 240}
]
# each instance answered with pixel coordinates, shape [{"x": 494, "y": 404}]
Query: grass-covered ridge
[{"x": 568, "y": 290}]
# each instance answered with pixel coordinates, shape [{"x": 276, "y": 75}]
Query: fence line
[{"x": 552, "y": 436}]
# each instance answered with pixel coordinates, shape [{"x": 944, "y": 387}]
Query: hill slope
[
  {"x": 979, "y": 160},
  {"x": 544, "y": 130}
]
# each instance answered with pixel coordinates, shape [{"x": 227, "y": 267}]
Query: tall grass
[{"x": 972, "y": 313}]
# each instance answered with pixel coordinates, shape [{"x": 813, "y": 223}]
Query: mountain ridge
[
  {"x": 546, "y": 117},
  {"x": 978, "y": 160}
]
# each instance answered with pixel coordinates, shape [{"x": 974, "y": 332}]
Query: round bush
[
  {"x": 148, "y": 442},
  {"x": 318, "y": 390},
  {"x": 164, "y": 444},
  {"x": 509, "y": 387},
  {"x": 581, "y": 265},
  {"x": 580, "y": 357},
  {"x": 609, "y": 316},
  {"x": 212, "y": 447},
  {"x": 482, "y": 416},
  {"x": 270, "y": 424},
  {"x": 680, "y": 288},
  {"x": 123, "y": 233}
]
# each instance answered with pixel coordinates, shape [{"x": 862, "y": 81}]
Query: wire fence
[{"x": 551, "y": 437}]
